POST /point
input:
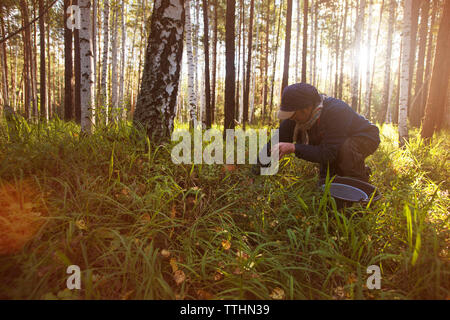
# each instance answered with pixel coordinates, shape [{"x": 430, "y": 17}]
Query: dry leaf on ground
[
  {"x": 278, "y": 294},
  {"x": 179, "y": 277}
]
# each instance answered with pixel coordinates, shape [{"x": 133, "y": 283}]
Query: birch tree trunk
[
  {"x": 87, "y": 67},
  {"x": 369, "y": 40},
  {"x": 297, "y": 42},
  {"x": 356, "y": 56},
  {"x": 114, "y": 73},
  {"x": 214, "y": 72},
  {"x": 249, "y": 64},
  {"x": 4, "y": 62},
  {"x": 192, "y": 100},
  {"x": 387, "y": 63},
  {"x": 123, "y": 111},
  {"x": 305, "y": 39},
  {"x": 287, "y": 45},
  {"x": 404, "y": 77},
  {"x": 155, "y": 106},
  {"x": 104, "y": 91}
]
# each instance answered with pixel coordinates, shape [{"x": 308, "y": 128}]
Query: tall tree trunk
[
  {"x": 249, "y": 63},
  {"x": 305, "y": 39},
  {"x": 206, "y": 50},
  {"x": 287, "y": 46},
  {"x": 114, "y": 72},
  {"x": 252, "y": 76},
  {"x": 369, "y": 47},
  {"x": 77, "y": 72},
  {"x": 427, "y": 76},
  {"x": 356, "y": 57},
  {"x": 343, "y": 49},
  {"x": 413, "y": 45},
  {"x": 387, "y": 63},
  {"x": 28, "y": 60},
  {"x": 266, "y": 62},
  {"x": 275, "y": 60},
  {"x": 104, "y": 91},
  {"x": 4, "y": 61},
  {"x": 297, "y": 42},
  {"x": 434, "y": 111},
  {"x": 230, "y": 68},
  {"x": 42, "y": 87},
  {"x": 122, "y": 111},
  {"x": 155, "y": 107},
  {"x": 404, "y": 80},
  {"x": 214, "y": 72},
  {"x": 192, "y": 100},
  {"x": 86, "y": 67},
  {"x": 418, "y": 89},
  {"x": 49, "y": 86}
]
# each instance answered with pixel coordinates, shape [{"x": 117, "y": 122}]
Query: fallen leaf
[
  {"x": 173, "y": 264},
  {"x": 226, "y": 244},
  {"x": 179, "y": 277},
  {"x": 277, "y": 294},
  {"x": 218, "y": 276},
  {"x": 81, "y": 224},
  {"x": 145, "y": 217},
  {"x": 165, "y": 253}
]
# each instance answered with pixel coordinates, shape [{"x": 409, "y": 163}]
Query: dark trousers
[{"x": 351, "y": 155}]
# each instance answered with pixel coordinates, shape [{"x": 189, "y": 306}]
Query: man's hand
[{"x": 284, "y": 148}]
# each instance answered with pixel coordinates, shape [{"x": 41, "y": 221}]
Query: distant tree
[
  {"x": 68, "y": 68},
  {"x": 356, "y": 56},
  {"x": 230, "y": 68},
  {"x": 249, "y": 64},
  {"x": 287, "y": 45},
  {"x": 104, "y": 76},
  {"x": 42, "y": 95},
  {"x": 404, "y": 74},
  {"x": 155, "y": 106},
  {"x": 206, "y": 51},
  {"x": 434, "y": 111},
  {"x": 192, "y": 100}
]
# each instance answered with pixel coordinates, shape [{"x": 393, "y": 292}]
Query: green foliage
[{"x": 131, "y": 219}]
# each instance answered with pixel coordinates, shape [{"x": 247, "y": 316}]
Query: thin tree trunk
[
  {"x": 287, "y": 46},
  {"x": 428, "y": 67},
  {"x": 344, "y": 47},
  {"x": 87, "y": 67},
  {"x": 191, "y": 72},
  {"x": 249, "y": 63},
  {"x": 297, "y": 41},
  {"x": 369, "y": 47},
  {"x": 77, "y": 72},
  {"x": 42, "y": 87},
  {"x": 266, "y": 62},
  {"x": 122, "y": 114},
  {"x": 114, "y": 72},
  {"x": 356, "y": 57},
  {"x": 214, "y": 72},
  {"x": 4, "y": 61},
  {"x": 230, "y": 68},
  {"x": 387, "y": 63},
  {"x": 404, "y": 80},
  {"x": 434, "y": 111},
  {"x": 418, "y": 89},
  {"x": 275, "y": 60},
  {"x": 104, "y": 92},
  {"x": 305, "y": 39},
  {"x": 206, "y": 50},
  {"x": 413, "y": 44}
]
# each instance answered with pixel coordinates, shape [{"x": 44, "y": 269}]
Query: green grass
[{"x": 115, "y": 201}]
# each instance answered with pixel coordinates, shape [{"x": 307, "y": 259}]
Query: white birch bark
[
  {"x": 114, "y": 77},
  {"x": 192, "y": 100},
  {"x": 123, "y": 112},
  {"x": 155, "y": 107},
  {"x": 356, "y": 56},
  {"x": 369, "y": 39},
  {"x": 387, "y": 70},
  {"x": 297, "y": 43},
  {"x": 404, "y": 74},
  {"x": 104, "y": 91},
  {"x": 87, "y": 66}
]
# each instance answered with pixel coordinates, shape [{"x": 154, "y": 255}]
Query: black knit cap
[{"x": 298, "y": 96}]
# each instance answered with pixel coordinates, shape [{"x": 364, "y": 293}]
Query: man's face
[{"x": 302, "y": 115}]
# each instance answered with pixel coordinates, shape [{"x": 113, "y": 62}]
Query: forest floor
[{"x": 141, "y": 227}]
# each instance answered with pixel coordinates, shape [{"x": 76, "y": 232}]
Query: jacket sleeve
[{"x": 335, "y": 123}]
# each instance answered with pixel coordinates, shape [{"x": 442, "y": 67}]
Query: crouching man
[{"x": 325, "y": 130}]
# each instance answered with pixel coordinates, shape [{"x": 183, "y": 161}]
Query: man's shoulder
[{"x": 331, "y": 103}]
